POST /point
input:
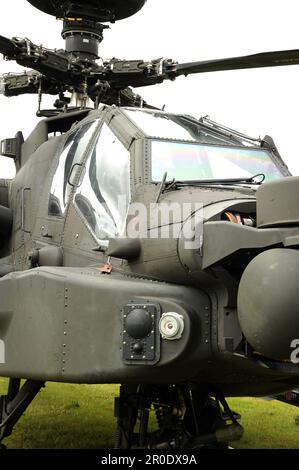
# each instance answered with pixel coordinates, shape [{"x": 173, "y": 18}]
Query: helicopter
[{"x": 141, "y": 247}]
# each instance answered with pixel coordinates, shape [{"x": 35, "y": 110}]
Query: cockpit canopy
[
  {"x": 189, "y": 150},
  {"x": 111, "y": 152}
]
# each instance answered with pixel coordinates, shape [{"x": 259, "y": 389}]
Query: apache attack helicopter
[{"x": 181, "y": 321}]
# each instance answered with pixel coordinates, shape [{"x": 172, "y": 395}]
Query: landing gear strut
[
  {"x": 13, "y": 405},
  {"x": 185, "y": 417}
]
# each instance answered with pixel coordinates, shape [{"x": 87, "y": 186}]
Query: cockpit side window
[
  {"x": 104, "y": 195},
  {"x": 71, "y": 155}
]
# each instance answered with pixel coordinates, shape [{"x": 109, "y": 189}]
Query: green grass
[
  {"x": 67, "y": 416},
  {"x": 267, "y": 424},
  {"x": 81, "y": 416}
]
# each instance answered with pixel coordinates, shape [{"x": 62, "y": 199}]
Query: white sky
[{"x": 256, "y": 102}]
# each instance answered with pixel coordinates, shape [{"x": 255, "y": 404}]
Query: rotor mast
[{"x": 83, "y": 37}]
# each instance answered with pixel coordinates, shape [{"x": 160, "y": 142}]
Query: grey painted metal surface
[{"x": 179, "y": 320}]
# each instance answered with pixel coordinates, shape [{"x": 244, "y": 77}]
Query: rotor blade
[
  {"x": 264, "y": 59},
  {"x": 51, "y": 63},
  {"x": 14, "y": 84},
  {"x": 7, "y": 46}
]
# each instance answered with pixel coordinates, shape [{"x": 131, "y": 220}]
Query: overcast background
[{"x": 256, "y": 102}]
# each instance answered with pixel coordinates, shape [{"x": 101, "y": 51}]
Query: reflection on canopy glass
[
  {"x": 104, "y": 195},
  {"x": 158, "y": 125},
  {"x": 187, "y": 161},
  {"x": 72, "y": 154}
]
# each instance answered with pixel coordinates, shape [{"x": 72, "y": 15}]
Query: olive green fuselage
[{"x": 64, "y": 293}]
